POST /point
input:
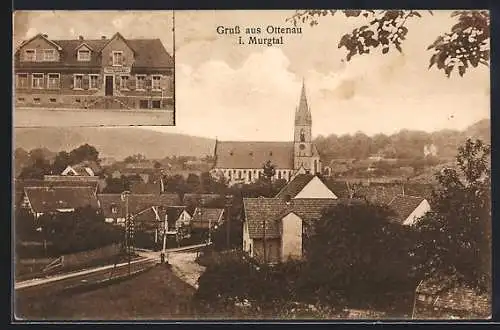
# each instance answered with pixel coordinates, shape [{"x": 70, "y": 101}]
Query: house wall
[
  {"x": 316, "y": 189},
  {"x": 273, "y": 250},
  {"x": 247, "y": 241},
  {"x": 65, "y": 95},
  {"x": 420, "y": 211},
  {"x": 245, "y": 175},
  {"x": 291, "y": 237}
]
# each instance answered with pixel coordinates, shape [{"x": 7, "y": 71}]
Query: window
[
  {"x": 52, "y": 100},
  {"x": 117, "y": 58},
  {"x": 36, "y": 100},
  {"x": 78, "y": 100},
  {"x": 78, "y": 81},
  {"x": 53, "y": 80},
  {"x": 20, "y": 99},
  {"x": 37, "y": 80},
  {"x": 156, "y": 104},
  {"x": 249, "y": 175},
  {"x": 84, "y": 55},
  {"x": 140, "y": 82},
  {"x": 49, "y": 55},
  {"x": 30, "y": 55},
  {"x": 279, "y": 174},
  {"x": 143, "y": 104},
  {"x": 156, "y": 83},
  {"x": 239, "y": 174},
  {"x": 94, "y": 79},
  {"x": 22, "y": 80},
  {"x": 124, "y": 82}
]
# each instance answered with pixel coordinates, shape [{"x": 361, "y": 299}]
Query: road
[
  {"x": 43, "y": 117},
  {"x": 60, "y": 283}
]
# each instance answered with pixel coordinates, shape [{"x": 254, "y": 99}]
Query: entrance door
[{"x": 108, "y": 89}]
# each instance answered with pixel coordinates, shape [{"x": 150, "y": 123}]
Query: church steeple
[{"x": 303, "y": 113}]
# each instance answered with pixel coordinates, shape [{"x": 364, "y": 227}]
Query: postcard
[{"x": 324, "y": 165}]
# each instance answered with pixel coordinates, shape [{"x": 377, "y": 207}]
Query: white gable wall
[
  {"x": 291, "y": 237},
  {"x": 247, "y": 241},
  {"x": 69, "y": 170},
  {"x": 316, "y": 189},
  {"x": 419, "y": 211}
]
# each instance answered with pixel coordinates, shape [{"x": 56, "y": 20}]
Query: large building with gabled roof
[
  {"x": 115, "y": 73},
  {"x": 242, "y": 161}
]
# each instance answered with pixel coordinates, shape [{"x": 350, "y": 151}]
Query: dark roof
[
  {"x": 403, "y": 206},
  {"x": 81, "y": 169},
  {"x": 145, "y": 188},
  {"x": 51, "y": 199},
  {"x": 203, "y": 217},
  {"x": 173, "y": 213},
  {"x": 273, "y": 209},
  {"x": 137, "y": 203},
  {"x": 295, "y": 186},
  {"x": 453, "y": 296},
  {"x": 149, "y": 53},
  {"x": 382, "y": 193},
  {"x": 238, "y": 154}
]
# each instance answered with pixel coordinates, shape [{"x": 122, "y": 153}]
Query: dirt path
[{"x": 185, "y": 267}]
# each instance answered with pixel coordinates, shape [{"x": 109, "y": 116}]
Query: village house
[
  {"x": 306, "y": 186},
  {"x": 53, "y": 199},
  {"x": 408, "y": 209},
  {"x": 280, "y": 227},
  {"x": 204, "y": 219},
  {"x": 178, "y": 217},
  {"x": 140, "y": 206},
  {"x": 82, "y": 169},
  {"x": 104, "y": 73},
  {"x": 242, "y": 162}
]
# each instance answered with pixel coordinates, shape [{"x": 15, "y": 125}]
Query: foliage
[
  {"x": 77, "y": 231},
  {"x": 25, "y": 225},
  {"x": 134, "y": 159},
  {"x": 83, "y": 153},
  {"x": 354, "y": 250},
  {"x": 269, "y": 170},
  {"x": 116, "y": 185},
  {"x": 37, "y": 170},
  {"x": 467, "y": 43},
  {"x": 455, "y": 238}
]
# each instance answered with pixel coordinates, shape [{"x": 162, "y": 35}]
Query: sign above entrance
[{"x": 117, "y": 69}]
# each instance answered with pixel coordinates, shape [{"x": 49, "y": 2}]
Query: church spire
[{"x": 303, "y": 115}]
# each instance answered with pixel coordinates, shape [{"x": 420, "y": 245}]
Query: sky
[{"x": 250, "y": 92}]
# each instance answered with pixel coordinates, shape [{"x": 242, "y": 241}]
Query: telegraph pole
[
  {"x": 125, "y": 198},
  {"x": 228, "y": 222},
  {"x": 164, "y": 250}
]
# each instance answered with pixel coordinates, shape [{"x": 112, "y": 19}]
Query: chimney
[
  {"x": 103, "y": 37},
  {"x": 80, "y": 38},
  {"x": 45, "y": 36},
  {"x": 288, "y": 199}
]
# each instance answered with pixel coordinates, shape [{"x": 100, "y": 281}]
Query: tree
[
  {"x": 37, "y": 170},
  {"x": 468, "y": 42},
  {"x": 193, "y": 182},
  {"x": 134, "y": 159},
  {"x": 116, "y": 185},
  {"x": 82, "y": 153},
  {"x": 269, "y": 170},
  {"x": 455, "y": 238},
  {"x": 355, "y": 250},
  {"x": 61, "y": 161}
]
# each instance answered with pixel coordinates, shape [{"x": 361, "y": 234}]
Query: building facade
[
  {"x": 107, "y": 73},
  {"x": 242, "y": 162}
]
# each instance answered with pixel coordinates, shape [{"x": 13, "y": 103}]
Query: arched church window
[
  {"x": 249, "y": 175},
  {"x": 279, "y": 174},
  {"x": 302, "y": 136}
]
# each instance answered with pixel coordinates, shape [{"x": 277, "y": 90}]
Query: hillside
[{"x": 114, "y": 142}]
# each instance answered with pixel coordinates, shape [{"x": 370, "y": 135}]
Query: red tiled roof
[
  {"x": 51, "y": 199},
  {"x": 292, "y": 188},
  {"x": 271, "y": 210},
  {"x": 203, "y": 217},
  {"x": 149, "y": 53},
  {"x": 137, "y": 203},
  {"x": 403, "y": 206},
  {"x": 238, "y": 154}
]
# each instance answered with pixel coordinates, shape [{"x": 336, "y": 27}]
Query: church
[{"x": 243, "y": 161}]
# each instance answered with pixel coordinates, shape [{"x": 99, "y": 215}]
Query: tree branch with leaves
[{"x": 467, "y": 44}]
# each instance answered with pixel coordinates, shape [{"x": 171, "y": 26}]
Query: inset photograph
[{"x": 93, "y": 68}]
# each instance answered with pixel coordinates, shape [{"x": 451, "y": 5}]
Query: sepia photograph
[
  {"x": 324, "y": 165},
  {"x": 93, "y": 68}
]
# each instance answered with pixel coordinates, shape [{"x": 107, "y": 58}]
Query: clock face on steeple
[{"x": 302, "y": 147}]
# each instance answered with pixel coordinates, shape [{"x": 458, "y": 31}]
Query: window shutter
[
  {"x": 164, "y": 82},
  {"x": 131, "y": 82},
  {"x": 85, "y": 82}
]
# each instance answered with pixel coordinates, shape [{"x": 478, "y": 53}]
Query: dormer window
[
  {"x": 117, "y": 58},
  {"x": 49, "y": 55},
  {"x": 30, "y": 55},
  {"x": 84, "y": 55}
]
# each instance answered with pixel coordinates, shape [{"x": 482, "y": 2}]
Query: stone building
[
  {"x": 106, "y": 73},
  {"x": 242, "y": 162}
]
